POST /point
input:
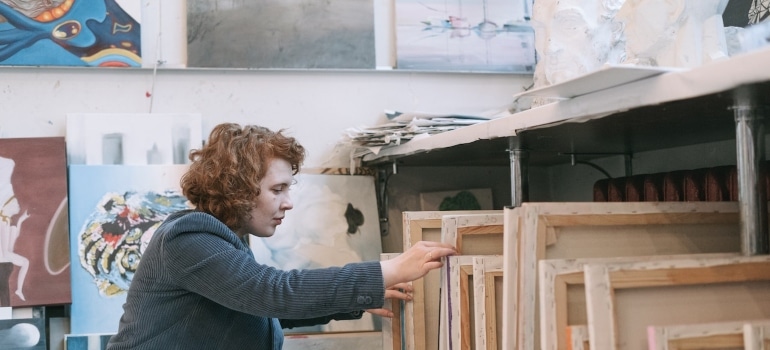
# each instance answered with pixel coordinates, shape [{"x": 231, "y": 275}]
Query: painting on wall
[
  {"x": 124, "y": 138},
  {"x": 87, "y": 341},
  {"x": 24, "y": 333},
  {"x": 94, "y": 33},
  {"x": 334, "y": 222},
  {"x": 34, "y": 258},
  {"x": 106, "y": 246},
  {"x": 470, "y": 35},
  {"x": 300, "y": 34}
]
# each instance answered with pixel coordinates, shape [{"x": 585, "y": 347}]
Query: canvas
[
  {"x": 27, "y": 333},
  {"x": 34, "y": 264},
  {"x": 280, "y": 34},
  {"x": 124, "y": 138},
  {"x": 92, "y": 33},
  {"x": 87, "y": 341},
  {"x": 104, "y": 258},
  {"x": 334, "y": 221},
  {"x": 477, "y": 35}
]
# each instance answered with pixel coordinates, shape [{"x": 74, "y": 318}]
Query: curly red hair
[{"x": 225, "y": 174}]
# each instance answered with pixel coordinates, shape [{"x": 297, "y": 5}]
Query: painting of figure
[
  {"x": 95, "y": 33},
  {"x": 334, "y": 221},
  {"x": 465, "y": 35},
  {"x": 34, "y": 264},
  {"x": 114, "y": 212}
]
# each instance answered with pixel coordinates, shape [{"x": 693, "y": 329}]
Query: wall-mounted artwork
[
  {"x": 34, "y": 257},
  {"x": 125, "y": 138},
  {"x": 104, "y": 33},
  {"x": 334, "y": 222},
  {"x": 26, "y": 333},
  {"x": 470, "y": 35},
  {"x": 114, "y": 210},
  {"x": 301, "y": 34}
]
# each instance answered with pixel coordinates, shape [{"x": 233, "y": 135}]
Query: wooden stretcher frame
[
  {"x": 556, "y": 275},
  {"x": 537, "y": 230},
  {"x": 756, "y": 337},
  {"x": 333, "y": 341},
  {"x": 471, "y": 234},
  {"x": 455, "y": 301},
  {"x": 486, "y": 271},
  {"x": 421, "y": 226},
  {"x": 391, "y": 327},
  {"x": 713, "y": 335},
  {"x": 577, "y": 337},
  {"x": 601, "y": 281}
]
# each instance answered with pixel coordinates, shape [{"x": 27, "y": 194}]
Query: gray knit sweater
[{"x": 199, "y": 287}]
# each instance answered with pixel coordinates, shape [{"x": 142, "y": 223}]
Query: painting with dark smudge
[{"x": 334, "y": 222}]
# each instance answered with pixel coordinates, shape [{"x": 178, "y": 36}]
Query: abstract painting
[
  {"x": 334, "y": 221},
  {"x": 34, "y": 256},
  {"x": 470, "y": 35},
  {"x": 124, "y": 138},
  {"x": 302, "y": 34},
  {"x": 114, "y": 210},
  {"x": 96, "y": 33}
]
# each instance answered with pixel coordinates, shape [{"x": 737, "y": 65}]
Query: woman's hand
[
  {"x": 401, "y": 291},
  {"x": 414, "y": 263}
]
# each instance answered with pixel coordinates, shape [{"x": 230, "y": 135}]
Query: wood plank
[
  {"x": 391, "y": 327},
  {"x": 710, "y": 335}
]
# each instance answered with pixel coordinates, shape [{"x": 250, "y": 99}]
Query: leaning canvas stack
[{"x": 586, "y": 275}]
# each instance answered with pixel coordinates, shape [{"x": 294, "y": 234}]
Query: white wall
[{"x": 316, "y": 106}]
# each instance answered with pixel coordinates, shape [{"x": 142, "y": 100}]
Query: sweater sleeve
[
  {"x": 211, "y": 265},
  {"x": 355, "y": 315}
]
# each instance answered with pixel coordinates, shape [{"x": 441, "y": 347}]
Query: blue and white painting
[
  {"x": 334, "y": 222},
  {"x": 465, "y": 35},
  {"x": 114, "y": 210}
]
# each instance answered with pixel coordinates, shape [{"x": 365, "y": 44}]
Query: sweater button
[{"x": 361, "y": 299}]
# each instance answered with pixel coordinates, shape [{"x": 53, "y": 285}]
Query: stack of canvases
[
  {"x": 603, "y": 275},
  {"x": 712, "y": 184}
]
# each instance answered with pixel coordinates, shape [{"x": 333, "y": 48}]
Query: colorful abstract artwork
[
  {"x": 25, "y": 333},
  {"x": 334, "y": 221},
  {"x": 98, "y": 33},
  {"x": 114, "y": 212},
  {"x": 34, "y": 255},
  {"x": 124, "y": 138},
  {"x": 471, "y": 35}
]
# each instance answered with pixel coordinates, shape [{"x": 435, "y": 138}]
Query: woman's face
[{"x": 273, "y": 200}]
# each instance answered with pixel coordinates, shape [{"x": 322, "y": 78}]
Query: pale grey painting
[
  {"x": 329, "y": 34},
  {"x": 465, "y": 35}
]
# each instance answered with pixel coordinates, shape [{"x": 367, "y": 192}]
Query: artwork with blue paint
[
  {"x": 87, "y": 341},
  {"x": 26, "y": 333},
  {"x": 114, "y": 210},
  {"x": 470, "y": 35},
  {"x": 96, "y": 33},
  {"x": 334, "y": 222}
]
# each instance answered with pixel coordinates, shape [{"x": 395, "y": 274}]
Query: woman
[{"x": 198, "y": 285}]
